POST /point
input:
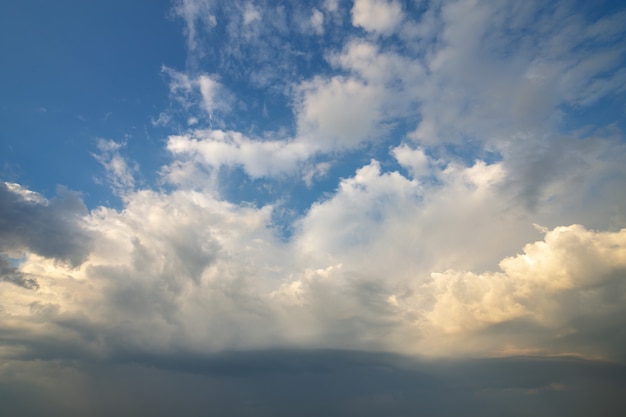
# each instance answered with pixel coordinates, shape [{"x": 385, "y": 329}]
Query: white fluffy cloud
[
  {"x": 338, "y": 113},
  {"x": 387, "y": 263},
  {"x": 564, "y": 288},
  {"x": 214, "y": 148},
  {"x": 380, "y": 16}
]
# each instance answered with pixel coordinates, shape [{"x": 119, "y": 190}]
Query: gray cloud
[
  {"x": 11, "y": 274},
  {"x": 51, "y": 229},
  {"x": 567, "y": 171},
  {"x": 313, "y": 383}
]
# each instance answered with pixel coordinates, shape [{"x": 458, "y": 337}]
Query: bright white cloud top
[{"x": 439, "y": 179}]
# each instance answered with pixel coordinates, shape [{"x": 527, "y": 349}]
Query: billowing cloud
[
  {"x": 201, "y": 274},
  {"x": 215, "y": 148},
  {"x": 9, "y": 273},
  {"x": 380, "y": 16},
  {"x": 338, "y": 113},
  {"x": 51, "y": 228}
]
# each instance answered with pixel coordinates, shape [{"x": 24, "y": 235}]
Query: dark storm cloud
[
  {"x": 48, "y": 228},
  {"x": 314, "y": 383}
]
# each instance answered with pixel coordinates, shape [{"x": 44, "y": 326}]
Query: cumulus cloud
[
  {"x": 380, "y": 16},
  {"x": 338, "y": 113},
  {"x": 9, "y": 273},
  {"x": 214, "y": 148},
  {"x": 372, "y": 267},
  {"x": 53, "y": 228},
  {"x": 556, "y": 288},
  {"x": 414, "y": 160}
]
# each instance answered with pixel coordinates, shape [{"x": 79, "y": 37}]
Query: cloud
[
  {"x": 414, "y": 160},
  {"x": 250, "y": 14},
  {"x": 214, "y": 148},
  {"x": 120, "y": 172},
  {"x": 331, "y": 5},
  {"x": 348, "y": 382},
  {"x": 11, "y": 274},
  {"x": 468, "y": 70},
  {"x": 194, "y": 12},
  {"x": 489, "y": 75},
  {"x": 572, "y": 172},
  {"x": 338, "y": 113},
  {"x": 334, "y": 114},
  {"x": 379, "y": 16},
  {"x": 454, "y": 88},
  {"x": 387, "y": 263},
  {"x": 550, "y": 287},
  {"x": 52, "y": 228},
  {"x": 407, "y": 252},
  {"x": 200, "y": 96},
  {"x": 209, "y": 89},
  {"x": 155, "y": 266},
  {"x": 317, "y": 21}
]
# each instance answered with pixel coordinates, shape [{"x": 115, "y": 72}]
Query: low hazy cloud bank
[{"x": 312, "y": 383}]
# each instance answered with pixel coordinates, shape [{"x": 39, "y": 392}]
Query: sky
[{"x": 329, "y": 207}]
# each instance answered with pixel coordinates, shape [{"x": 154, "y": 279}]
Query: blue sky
[
  {"x": 81, "y": 71},
  {"x": 239, "y": 196}
]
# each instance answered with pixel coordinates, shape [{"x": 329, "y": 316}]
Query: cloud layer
[
  {"x": 185, "y": 271},
  {"x": 310, "y": 383}
]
